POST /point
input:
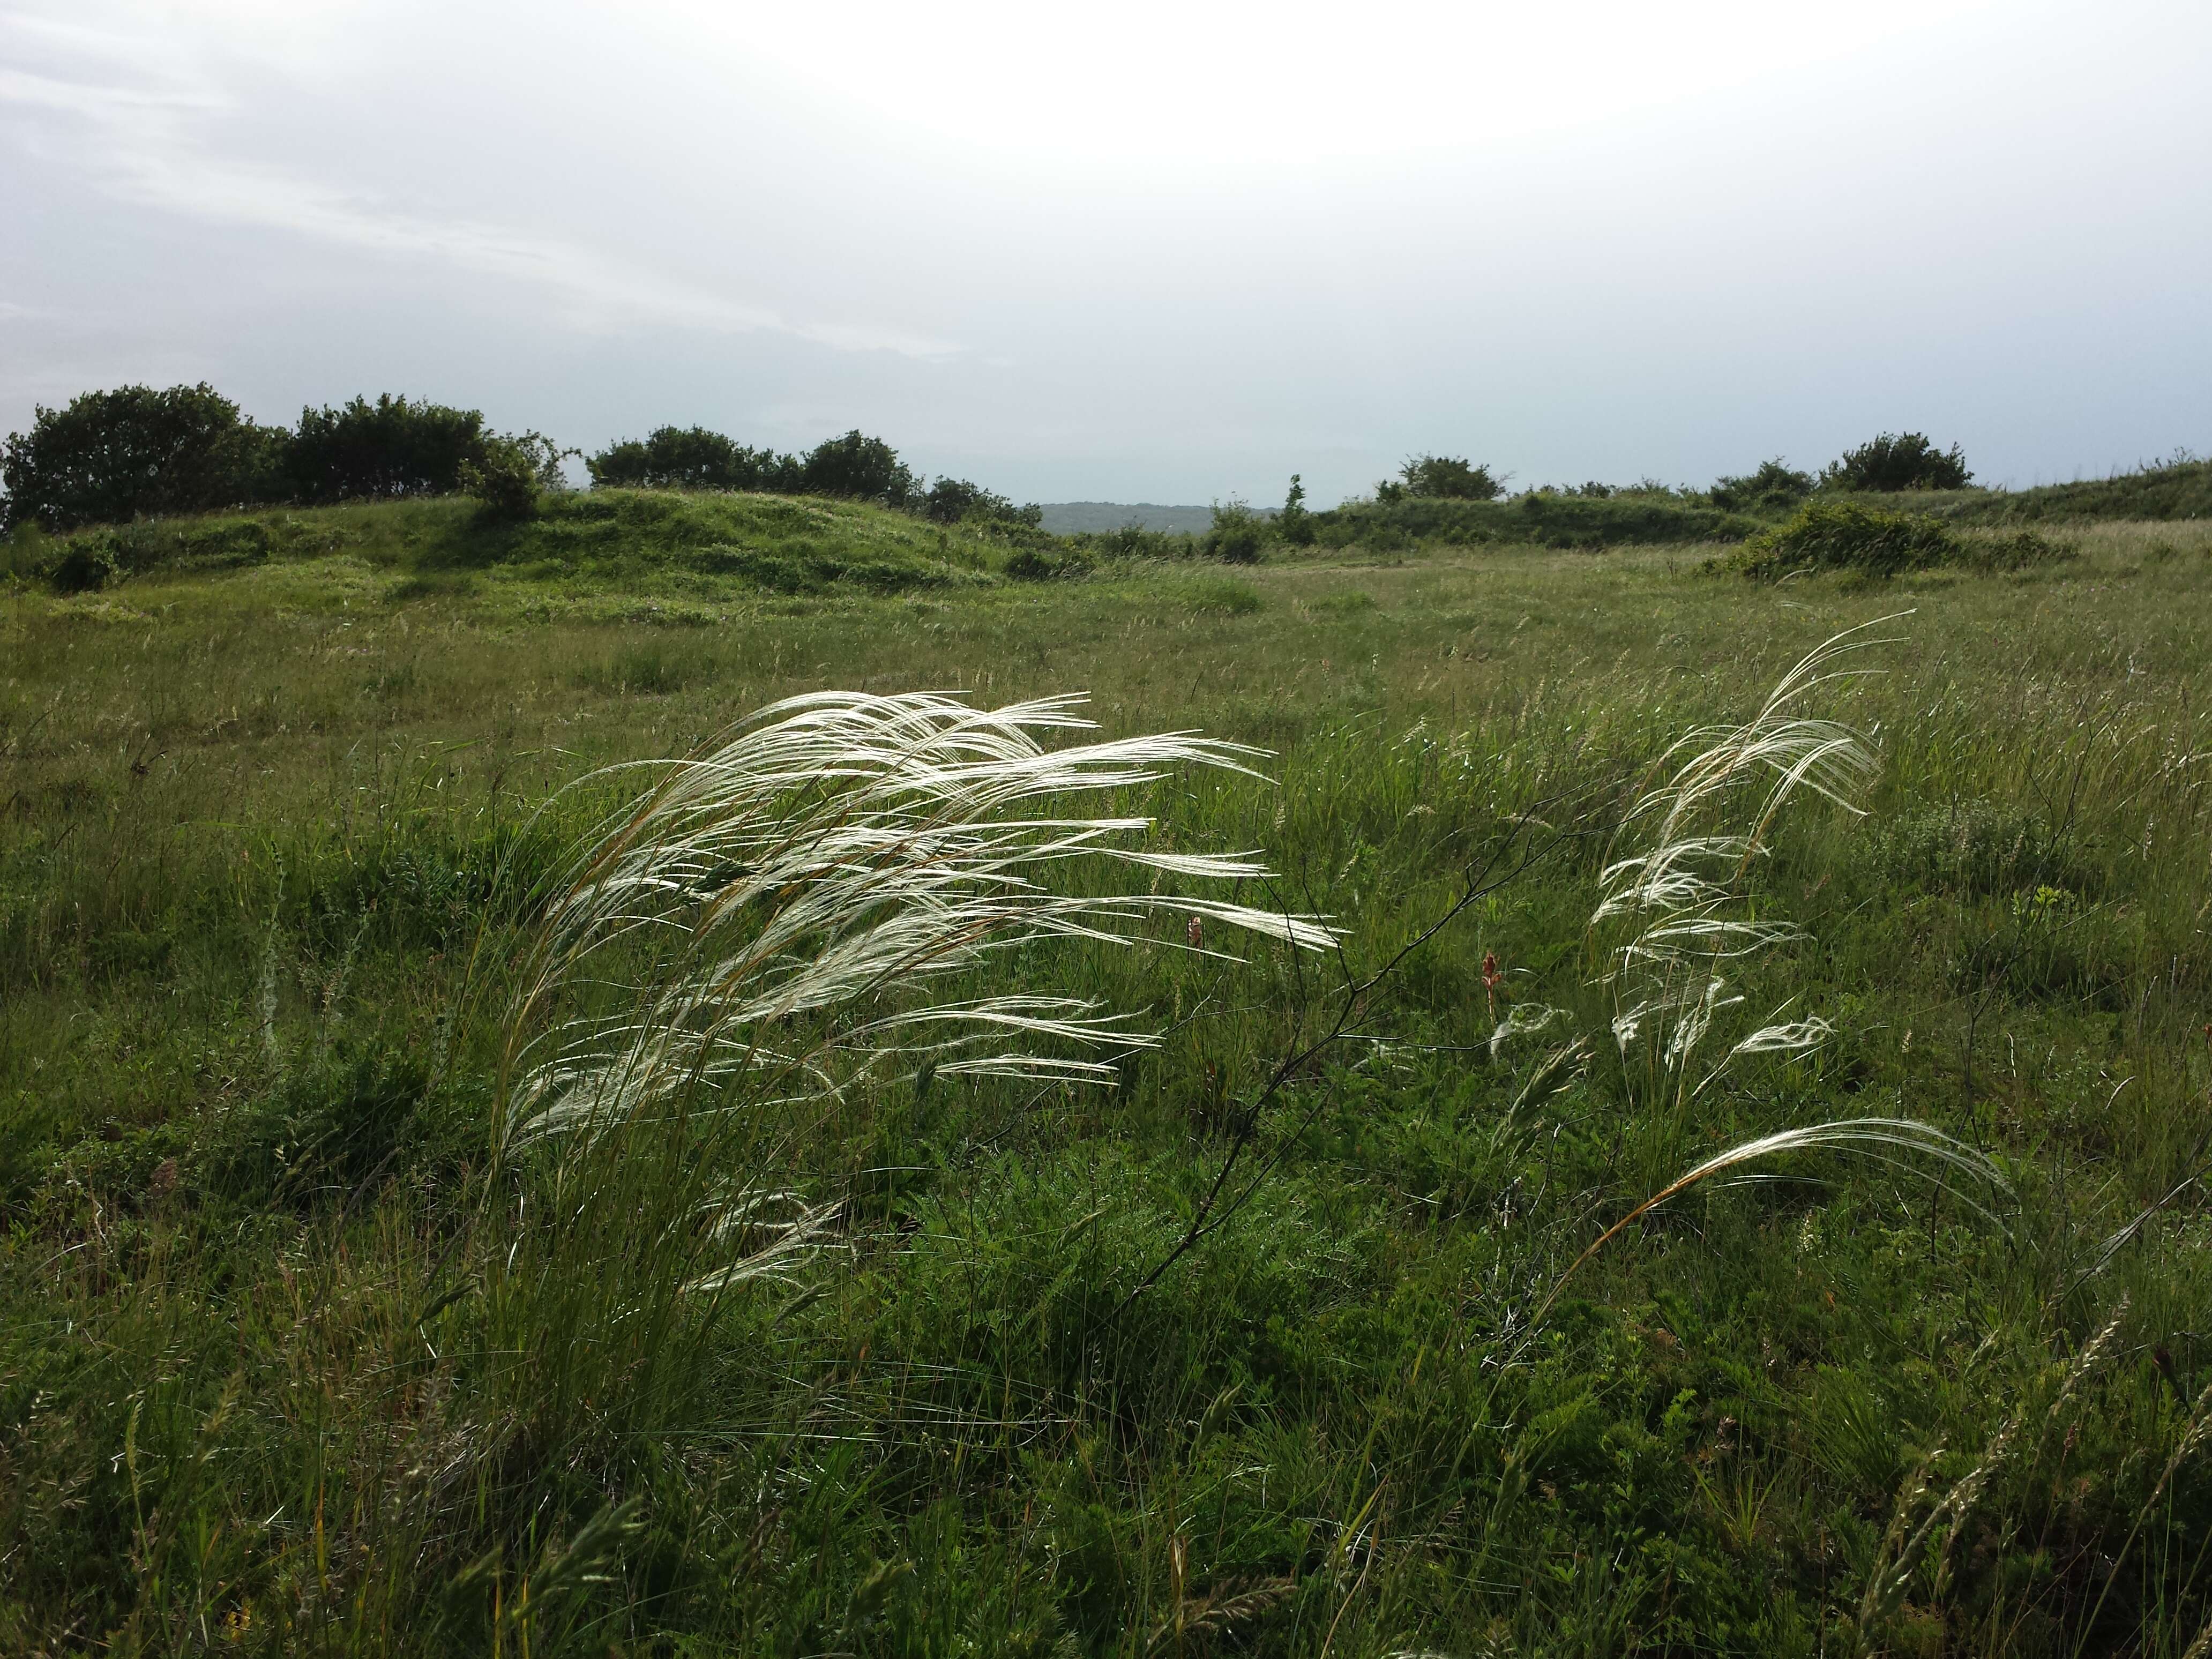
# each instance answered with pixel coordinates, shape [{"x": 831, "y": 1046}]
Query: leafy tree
[
  {"x": 855, "y": 465},
  {"x": 112, "y": 455},
  {"x": 1775, "y": 488},
  {"x": 1898, "y": 460},
  {"x": 692, "y": 458},
  {"x": 1238, "y": 535},
  {"x": 1294, "y": 524},
  {"x": 513, "y": 472},
  {"x": 1447, "y": 477},
  {"x": 950, "y": 500},
  {"x": 394, "y": 447}
]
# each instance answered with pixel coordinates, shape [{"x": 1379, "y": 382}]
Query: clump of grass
[
  {"x": 1349, "y": 602},
  {"x": 649, "y": 668},
  {"x": 1831, "y": 534},
  {"x": 1221, "y": 596},
  {"x": 1035, "y": 565}
]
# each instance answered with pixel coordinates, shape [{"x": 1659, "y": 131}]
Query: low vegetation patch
[
  {"x": 1544, "y": 518},
  {"x": 1221, "y": 596},
  {"x": 1827, "y": 534}
]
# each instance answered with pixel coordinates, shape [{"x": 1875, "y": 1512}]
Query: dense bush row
[
  {"x": 855, "y": 466},
  {"x": 1887, "y": 464},
  {"x": 111, "y": 457}
]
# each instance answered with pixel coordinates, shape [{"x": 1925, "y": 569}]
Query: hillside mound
[{"x": 783, "y": 544}]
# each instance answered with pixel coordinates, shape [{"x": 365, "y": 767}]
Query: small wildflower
[
  {"x": 1195, "y": 933},
  {"x": 1491, "y": 978}
]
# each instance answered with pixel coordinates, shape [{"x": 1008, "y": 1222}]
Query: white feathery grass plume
[
  {"x": 776, "y": 903},
  {"x": 1681, "y": 894}
]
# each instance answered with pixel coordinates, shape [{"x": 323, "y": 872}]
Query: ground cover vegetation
[{"x": 459, "y": 1198}]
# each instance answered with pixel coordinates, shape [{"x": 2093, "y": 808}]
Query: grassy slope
[{"x": 260, "y": 1378}]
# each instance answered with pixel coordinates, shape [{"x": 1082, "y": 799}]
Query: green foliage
[
  {"x": 112, "y": 455},
  {"x": 1895, "y": 461},
  {"x": 1845, "y": 535},
  {"x": 1040, "y": 564},
  {"x": 1552, "y": 520},
  {"x": 1221, "y": 596},
  {"x": 512, "y": 473},
  {"x": 956, "y": 501},
  {"x": 2180, "y": 487},
  {"x": 25, "y": 555},
  {"x": 692, "y": 458},
  {"x": 284, "y": 1368},
  {"x": 1775, "y": 488},
  {"x": 1447, "y": 478},
  {"x": 394, "y": 447},
  {"x": 1135, "y": 541},
  {"x": 343, "y": 1119},
  {"x": 858, "y": 468},
  {"x": 1294, "y": 524},
  {"x": 1239, "y": 535}
]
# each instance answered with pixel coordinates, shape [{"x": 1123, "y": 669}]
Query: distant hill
[{"x": 1066, "y": 518}]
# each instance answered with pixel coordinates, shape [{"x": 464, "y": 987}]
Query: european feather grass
[
  {"x": 829, "y": 855},
  {"x": 1680, "y": 903}
]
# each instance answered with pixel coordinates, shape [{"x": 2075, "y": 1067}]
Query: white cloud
[{"x": 133, "y": 118}]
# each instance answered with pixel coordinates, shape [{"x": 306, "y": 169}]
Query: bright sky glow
[{"x": 1157, "y": 250}]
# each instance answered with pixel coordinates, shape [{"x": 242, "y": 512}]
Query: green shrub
[
  {"x": 1238, "y": 536},
  {"x": 1294, "y": 524},
  {"x": 513, "y": 472},
  {"x": 692, "y": 458},
  {"x": 1846, "y": 535},
  {"x": 112, "y": 455},
  {"x": 392, "y": 447},
  {"x": 1134, "y": 541},
  {"x": 859, "y": 467},
  {"x": 1774, "y": 488},
  {"x": 1626, "y": 519},
  {"x": 1447, "y": 477},
  {"x": 84, "y": 567},
  {"x": 956, "y": 501},
  {"x": 1834, "y": 535},
  {"x": 1895, "y": 461}
]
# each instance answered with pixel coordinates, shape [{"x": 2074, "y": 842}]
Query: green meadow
[{"x": 1291, "y": 1340}]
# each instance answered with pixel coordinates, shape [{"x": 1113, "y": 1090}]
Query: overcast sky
[{"x": 1146, "y": 251}]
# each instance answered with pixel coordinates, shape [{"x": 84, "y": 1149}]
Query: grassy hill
[
  {"x": 298, "y": 1353},
  {"x": 649, "y": 543},
  {"x": 2162, "y": 492}
]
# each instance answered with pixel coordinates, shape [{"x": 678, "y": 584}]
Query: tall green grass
[{"x": 298, "y": 1354}]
